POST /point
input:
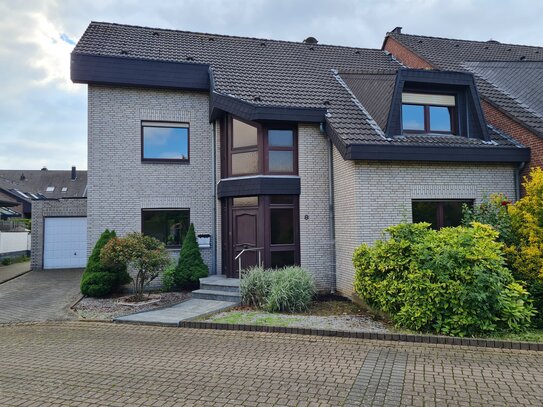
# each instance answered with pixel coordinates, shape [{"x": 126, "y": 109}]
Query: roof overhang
[
  {"x": 388, "y": 151},
  {"x": 123, "y": 71}
]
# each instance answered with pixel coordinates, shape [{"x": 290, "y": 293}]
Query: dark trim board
[
  {"x": 259, "y": 185},
  {"x": 442, "y": 153},
  {"x": 219, "y": 103},
  {"x": 125, "y": 71}
]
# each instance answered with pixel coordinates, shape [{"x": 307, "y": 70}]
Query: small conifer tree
[{"x": 191, "y": 266}]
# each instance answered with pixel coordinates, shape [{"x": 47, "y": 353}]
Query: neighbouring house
[
  {"x": 34, "y": 190},
  {"x": 279, "y": 152},
  {"x": 509, "y": 78}
]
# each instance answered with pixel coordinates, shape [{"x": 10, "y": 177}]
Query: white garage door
[{"x": 65, "y": 243}]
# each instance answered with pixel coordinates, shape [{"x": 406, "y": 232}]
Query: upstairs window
[
  {"x": 428, "y": 113},
  {"x": 164, "y": 141},
  {"x": 255, "y": 149}
]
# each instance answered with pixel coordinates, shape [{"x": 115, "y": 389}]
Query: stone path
[
  {"x": 181, "y": 312},
  {"x": 13, "y": 270},
  {"x": 39, "y": 296},
  {"x": 89, "y": 364}
]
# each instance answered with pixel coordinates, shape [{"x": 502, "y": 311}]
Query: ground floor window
[
  {"x": 167, "y": 225},
  {"x": 439, "y": 214}
]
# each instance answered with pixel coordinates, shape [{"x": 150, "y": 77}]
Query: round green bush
[
  {"x": 98, "y": 284},
  {"x": 452, "y": 281}
]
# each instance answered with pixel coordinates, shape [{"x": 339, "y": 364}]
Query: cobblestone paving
[
  {"x": 90, "y": 364},
  {"x": 39, "y": 296}
]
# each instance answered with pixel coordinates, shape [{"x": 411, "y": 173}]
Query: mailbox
[{"x": 204, "y": 241}]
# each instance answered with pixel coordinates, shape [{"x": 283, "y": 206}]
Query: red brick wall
[
  {"x": 405, "y": 55},
  {"x": 503, "y": 122}
]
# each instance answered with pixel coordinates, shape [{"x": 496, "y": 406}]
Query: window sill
[{"x": 164, "y": 161}]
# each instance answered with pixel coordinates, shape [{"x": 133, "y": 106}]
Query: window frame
[
  {"x": 157, "y": 123},
  {"x": 283, "y": 247},
  {"x": 262, "y": 147},
  {"x": 453, "y": 113},
  {"x": 440, "y": 208},
  {"x": 168, "y": 246}
]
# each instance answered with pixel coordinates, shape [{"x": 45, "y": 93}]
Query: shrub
[
  {"x": 452, "y": 281},
  {"x": 254, "y": 286},
  {"x": 6, "y": 261},
  {"x": 168, "y": 277},
  {"x": 290, "y": 289},
  {"x": 145, "y": 255},
  {"x": 525, "y": 256},
  {"x": 98, "y": 279},
  {"x": 191, "y": 266}
]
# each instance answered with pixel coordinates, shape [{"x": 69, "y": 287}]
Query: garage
[{"x": 64, "y": 242}]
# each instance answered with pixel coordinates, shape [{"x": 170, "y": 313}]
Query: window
[
  {"x": 428, "y": 113},
  {"x": 167, "y": 225},
  {"x": 439, "y": 213},
  {"x": 64, "y": 189},
  {"x": 165, "y": 141},
  {"x": 258, "y": 150},
  {"x": 50, "y": 189},
  {"x": 283, "y": 230}
]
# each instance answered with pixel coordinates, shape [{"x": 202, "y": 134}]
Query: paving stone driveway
[
  {"x": 77, "y": 363},
  {"x": 39, "y": 296}
]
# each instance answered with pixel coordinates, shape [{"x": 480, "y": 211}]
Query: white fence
[{"x": 11, "y": 242}]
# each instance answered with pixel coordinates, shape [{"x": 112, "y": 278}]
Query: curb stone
[{"x": 413, "y": 338}]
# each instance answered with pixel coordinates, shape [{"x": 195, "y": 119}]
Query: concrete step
[
  {"x": 217, "y": 295},
  {"x": 220, "y": 283}
]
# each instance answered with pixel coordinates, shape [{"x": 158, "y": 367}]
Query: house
[
  {"x": 24, "y": 186},
  {"x": 509, "y": 79},
  {"x": 281, "y": 152}
]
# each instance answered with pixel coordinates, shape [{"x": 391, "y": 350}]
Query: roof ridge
[
  {"x": 105, "y": 23},
  {"x": 496, "y": 42}
]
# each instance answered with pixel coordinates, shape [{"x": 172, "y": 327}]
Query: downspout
[
  {"x": 214, "y": 197},
  {"x": 517, "y": 179},
  {"x": 331, "y": 226}
]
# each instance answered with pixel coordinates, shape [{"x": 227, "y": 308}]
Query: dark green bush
[
  {"x": 6, "y": 261},
  {"x": 290, "y": 289},
  {"x": 190, "y": 267},
  {"x": 452, "y": 281},
  {"x": 99, "y": 280}
]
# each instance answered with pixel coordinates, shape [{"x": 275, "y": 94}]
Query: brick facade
[
  {"x": 120, "y": 185},
  {"x": 405, "y": 55},
  {"x": 373, "y": 195},
  {"x": 51, "y": 208}
]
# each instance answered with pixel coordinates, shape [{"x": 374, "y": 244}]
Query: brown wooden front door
[{"x": 245, "y": 228}]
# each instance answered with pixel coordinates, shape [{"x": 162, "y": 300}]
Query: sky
[{"x": 43, "y": 115}]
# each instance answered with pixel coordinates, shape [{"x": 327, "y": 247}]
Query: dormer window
[{"x": 428, "y": 113}]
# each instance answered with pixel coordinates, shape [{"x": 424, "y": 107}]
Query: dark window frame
[
  {"x": 440, "y": 216},
  {"x": 168, "y": 246},
  {"x": 262, "y": 147},
  {"x": 157, "y": 123},
  {"x": 453, "y": 112}
]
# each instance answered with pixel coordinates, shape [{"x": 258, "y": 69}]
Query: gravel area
[
  {"x": 108, "y": 308},
  {"x": 331, "y": 322}
]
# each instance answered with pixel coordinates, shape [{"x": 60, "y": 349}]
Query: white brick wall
[
  {"x": 315, "y": 245},
  {"x": 120, "y": 185},
  {"x": 379, "y": 194}
]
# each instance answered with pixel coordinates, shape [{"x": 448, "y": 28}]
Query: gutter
[
  {"x": 518, "y": 171},
  {"x": 214, "y": 198}
]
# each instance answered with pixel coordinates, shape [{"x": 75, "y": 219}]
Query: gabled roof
[
  {"x": 259, "y": 78},
  {"x": 28, "y": 185},
  {"x": 501, "y": 71}
]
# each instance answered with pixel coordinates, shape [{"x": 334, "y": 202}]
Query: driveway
[
  {"x": 83, "y": 363},
  {"x": 39, "y": 296}
]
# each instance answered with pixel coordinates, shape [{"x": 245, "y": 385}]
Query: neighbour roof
[
  {"x": 503, "y": 71},
  {"x": 275, "y": 73},
  {"x": 34, "y": 184}
]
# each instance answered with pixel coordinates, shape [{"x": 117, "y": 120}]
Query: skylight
[
  {"x": 64, "y": 189},
  {"x": 50, "y": 189}
]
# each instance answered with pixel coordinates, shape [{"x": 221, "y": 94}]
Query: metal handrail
[{"x": 249, "y": 249}]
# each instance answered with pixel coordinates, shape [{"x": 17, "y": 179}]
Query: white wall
[{"x": 14, "y": 242}]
